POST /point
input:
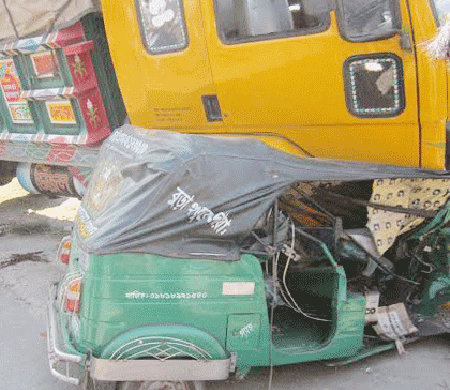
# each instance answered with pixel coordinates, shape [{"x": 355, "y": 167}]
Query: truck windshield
[{"x": 442, "y": 9}]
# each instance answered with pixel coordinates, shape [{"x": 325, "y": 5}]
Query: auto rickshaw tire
[
  {"x": 147, "y": 385},
  {"x": 101, "y": 385}
]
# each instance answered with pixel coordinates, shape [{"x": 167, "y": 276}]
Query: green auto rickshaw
[{"x": 195, "y": 258}]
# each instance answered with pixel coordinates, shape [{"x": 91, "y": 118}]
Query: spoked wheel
[{"x": 162, "y": 385}]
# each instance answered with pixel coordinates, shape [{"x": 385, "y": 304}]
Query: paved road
[{"x": 23, "y": 348}]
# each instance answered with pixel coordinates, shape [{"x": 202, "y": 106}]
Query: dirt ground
[{"x": 31, "y": 227}]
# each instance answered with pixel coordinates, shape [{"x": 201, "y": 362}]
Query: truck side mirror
[{"x": 317, "y": 7}]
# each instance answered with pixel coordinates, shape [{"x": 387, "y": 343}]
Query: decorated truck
[
  {"x": 337, "y": 79},
  {"x": 59, "y": 95}
]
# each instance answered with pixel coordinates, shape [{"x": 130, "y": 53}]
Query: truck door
[
  {"x": 426, "y": 17},
  {"x": 159, "y": 52},
  {"x": 340, "y": 83}
]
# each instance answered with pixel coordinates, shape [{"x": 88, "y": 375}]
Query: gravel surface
[{"x": 31, "y": 227}]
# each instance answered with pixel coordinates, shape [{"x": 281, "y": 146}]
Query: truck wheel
[{"x": 162, "y": 385}]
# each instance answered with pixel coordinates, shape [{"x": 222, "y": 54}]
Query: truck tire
[{"x": 7, "y": 172}]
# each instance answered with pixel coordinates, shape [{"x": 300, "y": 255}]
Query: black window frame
[
  {"x": 396, "y": 28},
  {"x": 348, "y": 85},
  {"x": 143, "y": 33}
]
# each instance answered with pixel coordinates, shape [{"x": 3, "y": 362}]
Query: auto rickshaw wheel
[
  {"x": 162, "y": 385},
  {"x": 93, "y": 384}
]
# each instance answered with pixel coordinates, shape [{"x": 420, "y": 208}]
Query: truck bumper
[
  {"x": 123, "y": 370},
  {"x": 148, "y": 370},
  {"x": 57, "y": 356}
]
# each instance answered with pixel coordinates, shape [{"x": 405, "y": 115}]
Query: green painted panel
[
  {"x": 243, "y": 332},
  {"x": 122, "y": 292}
]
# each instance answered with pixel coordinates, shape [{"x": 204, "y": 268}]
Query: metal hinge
[{"x": 405, "y": 40}]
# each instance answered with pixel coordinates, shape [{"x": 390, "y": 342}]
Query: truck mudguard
[{"x": 164, "y": 341}]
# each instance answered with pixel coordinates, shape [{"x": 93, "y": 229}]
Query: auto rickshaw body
[{"x": 180, "y": 273}]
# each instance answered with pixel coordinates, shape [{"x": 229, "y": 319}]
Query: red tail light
[
  {"x": 63, "y": 254},
  {"x": 72, "y": 302}
]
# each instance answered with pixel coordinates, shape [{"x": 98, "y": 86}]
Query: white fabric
[
  {"x": 386, "y": 226},
  {"x": 27, "y": 18},
  {"x": 438, "y": 47}
]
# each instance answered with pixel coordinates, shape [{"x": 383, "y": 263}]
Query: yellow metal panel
[
  {"x": 433, "y": 144},
  {"x": 292, "y": 88},
  {"x": 295, "y": 87},
  {"x": 341, "y": 141},
  {"x": 432, "y": 79},
  {"x": 158, "y": 90}
]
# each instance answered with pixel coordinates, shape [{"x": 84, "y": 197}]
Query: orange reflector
[
  {"x": 64, "y": 250},
  {"x": 72, "y": 302},
  {"x": 75, "y": 286}
]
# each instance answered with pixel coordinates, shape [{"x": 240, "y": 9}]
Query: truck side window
[
  {"x": 162, "y": 25},
  {"x": 366, "y": 20},
  {"x": 245, "y": 20}
]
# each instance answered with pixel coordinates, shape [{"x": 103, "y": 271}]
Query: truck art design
[
  {"x": 327, "y": 79},
  {"x": 275, "y": 256}
]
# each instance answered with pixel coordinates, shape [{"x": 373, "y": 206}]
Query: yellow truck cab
[{"x": 339, "y": 79}]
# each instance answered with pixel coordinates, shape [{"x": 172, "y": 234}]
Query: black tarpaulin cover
[{"x": 192, "y": 196}]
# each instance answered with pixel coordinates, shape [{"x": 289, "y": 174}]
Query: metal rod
[{"x": 396, "y": 209}]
